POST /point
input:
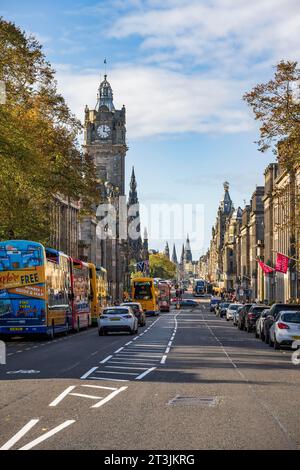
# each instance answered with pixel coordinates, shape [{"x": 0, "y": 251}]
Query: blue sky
[{"x": 181, "y": 68}]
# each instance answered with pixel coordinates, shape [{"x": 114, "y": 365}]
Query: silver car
[
  {"x": 259, "y": 327},
  {"x": 236, "y": 314},
  {"x": 115, "y": 319},
  {"x": 286, "y": 329},
  {"x": 231, "y": 309}
]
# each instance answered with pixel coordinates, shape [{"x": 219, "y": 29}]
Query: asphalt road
[{"x": 188, "y": 381}]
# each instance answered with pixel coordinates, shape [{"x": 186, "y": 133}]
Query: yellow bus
[
  {"x": 98, "y": 280},
  {"x": 144, "y": 292}
]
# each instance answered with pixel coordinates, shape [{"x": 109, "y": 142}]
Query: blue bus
[
  {"x": 35, "y": 288},
  {"x": 199, "y": 288}
]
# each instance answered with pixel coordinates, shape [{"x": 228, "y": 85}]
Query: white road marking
[
  {"x": 145, "y": 373},
  {"x": 97, "y": 386},
  {"x": 127, "y": 344},
  {"x": 88, "y": 373},
  {"x": 170, "y": 343},
  {"x": 116, "y": 352},
  {"x": 106, "y": 359},
  {"x": 164, "y": 358},
  {"x": 19, "y": 434},
  {"x": 167, "y": 350},
  {"x": 134, "y": 363},
  {"x": 110, "y": 379},
  {"x": 111, "y": 372},
  {"x": 93, "y": 397},
  {"x": 109, "y": 397},
  {"x": 130, "y": 368},
  {"x": 46, "y": 436},
  {"x": 62, "y": 395}
]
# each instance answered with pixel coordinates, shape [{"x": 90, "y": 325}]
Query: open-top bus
[
  {"x": 164, "y": 299},
  {"x": 98, "y": 281},
  {"x": 143, "y": 291},
  {"x": 81, "y": 294},
  {"x": 35, "y": 286}
]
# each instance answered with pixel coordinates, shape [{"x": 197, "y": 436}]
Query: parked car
[
  {"x": 259, "y": 328},
  {"x": 117, "y": 319},
  {"x": 286, "y": 329},
  {"x": 252, "y": 316},
  {"x": 221, "y": 309},
  {"x": 214, "y": 302},
  {"x": 137, "y": 310},
  {"x": 273, "y": 316},
  {"x": 231, "y": 309},
  {"x": 188, "y": 303},
  {"x": 236, "y": 314},
  {"x": 242, "y": 314}
]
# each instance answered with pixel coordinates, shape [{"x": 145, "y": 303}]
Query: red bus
[
  {"x": 81, "y": 294},
  {"x": 164, "y": 299}
]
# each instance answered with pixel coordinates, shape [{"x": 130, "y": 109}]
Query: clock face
[{"x": 103, "y": 131}]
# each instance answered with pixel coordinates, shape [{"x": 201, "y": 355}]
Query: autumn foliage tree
[
  {"x": 276, "y": 105},
  {"x": 39, "y": 152},
  {"x": 161, "y": 266}
]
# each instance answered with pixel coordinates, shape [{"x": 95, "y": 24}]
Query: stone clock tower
[
  {"x": 105, "y": 137},
  {"x": 105, "y": 142}
]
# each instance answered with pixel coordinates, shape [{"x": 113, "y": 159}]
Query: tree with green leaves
[
  {"x": 39, "y": 152},
  {"x": 161, "y": 267}
]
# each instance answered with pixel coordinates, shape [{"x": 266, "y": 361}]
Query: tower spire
[{"x": 174, "y": 255}]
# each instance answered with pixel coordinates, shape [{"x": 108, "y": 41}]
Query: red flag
[
  {"x": 282, "y": 263},
  {"x": 266, "y": 269}
]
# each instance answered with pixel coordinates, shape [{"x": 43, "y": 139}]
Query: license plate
[
  {"x": 16, "y": 329},
  {"x": 115, "y": 319},
  {"x": 295, "y": 337}
]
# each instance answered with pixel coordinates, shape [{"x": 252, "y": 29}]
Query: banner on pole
[
  {"x": 282, "y": 263},
  {"x": 266, "y": 269}
]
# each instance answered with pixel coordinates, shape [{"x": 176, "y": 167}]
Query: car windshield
[
  {"x": 234, "y": 306},
  {"x": 293, "y": 317},
  {"x": 115, "y": 311}
]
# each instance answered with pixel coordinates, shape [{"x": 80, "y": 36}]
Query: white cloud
[
  {"x": 162, "y": 102},
  {"x": 229, "y": 35}
]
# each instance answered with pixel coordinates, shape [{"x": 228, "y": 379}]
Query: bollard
[{"x": 2, "y": 353}]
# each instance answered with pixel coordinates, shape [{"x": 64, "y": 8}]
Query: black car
[
  {"x": 273, "y": 315},
  {"x": 252, "y": 316},
  {"x": 242, "y": 316},
  {"x": 221, "y": 310}
]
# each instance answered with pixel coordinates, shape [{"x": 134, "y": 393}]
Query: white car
[
  {"x": 115, "y": 319},
  {"x": 286, "y": 329},
  {"x": 231, "y": 309}
]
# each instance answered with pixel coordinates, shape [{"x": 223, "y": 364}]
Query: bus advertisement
[
  {"x": 164, "y": 299},
  {"x": 143, "y": 291},
  {"x": 34, "y": 289}
]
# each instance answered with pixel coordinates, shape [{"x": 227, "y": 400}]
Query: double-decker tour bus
[
  {"x": 34, "y": 289},
  {"x": 143, "y": 291},
  {"x": 199, "y": 288},
  {"x": 98, "y": 281},
  {"x": 81, "y": 294},
  {"x": 164, "y": 299}
]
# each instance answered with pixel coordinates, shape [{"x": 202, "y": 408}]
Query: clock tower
[
  {"x": 105, "y": 143},
  {"x": 105, "y": 137}
]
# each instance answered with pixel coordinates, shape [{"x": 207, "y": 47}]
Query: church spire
[
  {"x": 133, "y": 198},
  {"x": 226, "y": 204},
  {"x": 167, "y": 250},
  {"x": 174, "y": 255},
  {"x": 188, "y": 252}
]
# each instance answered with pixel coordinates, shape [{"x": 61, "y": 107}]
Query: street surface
[{"x": 188, "y": 381}]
